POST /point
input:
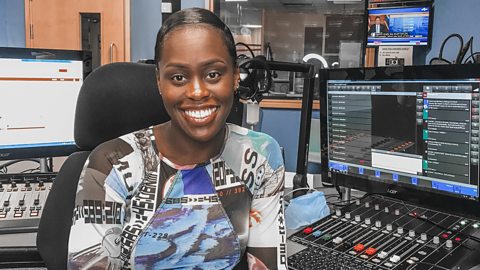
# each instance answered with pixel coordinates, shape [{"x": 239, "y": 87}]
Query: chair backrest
[{"x": 115, "y": 99}]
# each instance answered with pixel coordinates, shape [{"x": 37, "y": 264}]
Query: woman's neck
[{"x": 179, "y": 148}]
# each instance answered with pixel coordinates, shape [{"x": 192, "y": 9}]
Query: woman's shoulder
[
  {"x": 241, "y": 133},
  {"x": 253, "y": 144},
  {"x": 127, "y": 144}
]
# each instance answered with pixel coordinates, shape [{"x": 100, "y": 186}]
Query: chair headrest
[{"x": 117, "y": 99}]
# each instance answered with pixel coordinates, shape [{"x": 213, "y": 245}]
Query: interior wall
[
  {"x": 145, "y": 20},
  {"x": 12, "y": 23},
  {"x": 454, "y": 16},
  {"x": 193, "y": 3}
]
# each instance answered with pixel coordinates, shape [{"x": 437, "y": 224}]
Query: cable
[
  {"x": 31, "y": 170},
  {"x": 472, "y": 56},
  {"x": 50, "y": 164},
  {"x": 440, "y": 55},
  {"x": 471, "y": 49},
  {"x": 337, "y": 187},
  {"x": 4, "y": 166},
  {"x": 246, "y": 46},
  {"x": 298, "y": 189},
  {"x": 341, "y": 203},
  {"x": 463, "y": 51}
]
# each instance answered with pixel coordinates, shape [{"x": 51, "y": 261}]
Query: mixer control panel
[
  {"x": 22, "y": 198},
  {"x": 378, "y": 232}
]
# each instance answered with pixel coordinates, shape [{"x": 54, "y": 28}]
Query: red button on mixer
[
  {"x": 370, "y": 251},
  {"x": 308, "y": 230},
  {"x": 358, "y": 247}
]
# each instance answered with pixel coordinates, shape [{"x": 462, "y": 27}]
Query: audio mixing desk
[
  {"x": 378, "y": 232},
  {"x": 22, "y": 199}
]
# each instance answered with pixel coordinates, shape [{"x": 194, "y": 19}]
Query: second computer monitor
[{"x": 416, "y": 127}]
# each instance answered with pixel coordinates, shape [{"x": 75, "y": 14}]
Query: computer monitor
[
  {"x": 38, "y": 95},
  {"x": 404, "y": 129}
]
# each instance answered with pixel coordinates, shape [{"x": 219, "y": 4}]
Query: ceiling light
[{"x": 252, "y": 25}]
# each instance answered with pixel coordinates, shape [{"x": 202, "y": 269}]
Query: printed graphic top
[{"x": 135, "y": 209}]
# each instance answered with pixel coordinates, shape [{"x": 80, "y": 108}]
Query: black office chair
[{"x": 115, "y": 99}]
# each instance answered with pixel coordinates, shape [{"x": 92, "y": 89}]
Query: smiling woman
[
  {"x": 196, "y": 75},
  {"x": 192, "y": 193}
]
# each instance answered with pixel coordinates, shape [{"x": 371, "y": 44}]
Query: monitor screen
[
  {"x": 416, "y": 127},
  {"x": 38, "y": 95},
  {"x": 399, "y": 26}
]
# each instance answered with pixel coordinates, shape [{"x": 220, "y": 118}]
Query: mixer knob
[
  {"x": 367, "y": 204},
  {"x": 1, "y": 186},
  {"x": 14, "y": 184},
  {"x": 397, "y": 212},
  {"x": 348, "y": 215},
  {"x": 40, "y": 183},
  {"x": 368, "y": 221},
  {"x": 436, "y": 240},
  {"x": 400, "y": 230},
  {"x": 357, "y": 202},
  {"x": 449, "y": 243},
  {"x": 36, "y": 201},
  {"x": 389, "y": 227},
  {"x": 411, "y": 233},
  {"x": 338, "y": 212},
  {"x": 387, "y": 210},
  {"x": 358, "y": 218},
  {"x": 27, "y": 184},
  {"x": 378, "y": 223},
  {"x": 377, "y": 207},
  {"x": 423, "y": 237}
]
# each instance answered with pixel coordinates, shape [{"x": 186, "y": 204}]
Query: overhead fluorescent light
[{"x": 252, "y": 25}]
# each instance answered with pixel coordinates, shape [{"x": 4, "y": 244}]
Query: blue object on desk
[{"x": 306, "y": 209}]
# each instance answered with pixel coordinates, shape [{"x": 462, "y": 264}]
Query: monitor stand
[
  {"x": 346, "y": 194},
  {"x": 44, "y": 165}
]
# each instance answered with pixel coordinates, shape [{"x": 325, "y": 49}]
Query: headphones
[
  {"x": 255, "y": 75},
  {"x": 255, "y": 78}
]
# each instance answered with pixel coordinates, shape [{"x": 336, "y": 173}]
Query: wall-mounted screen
[{"x": 399, "y": 26}]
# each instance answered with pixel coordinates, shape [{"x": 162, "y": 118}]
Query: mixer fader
[
  {"x": 378, "y": 232},
  {"x": 22, "y": 198}
]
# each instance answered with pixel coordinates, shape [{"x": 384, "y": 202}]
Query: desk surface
[{"x": 286, "y": 104}]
